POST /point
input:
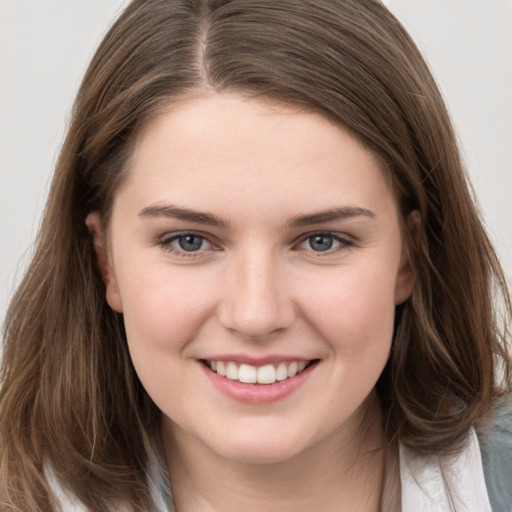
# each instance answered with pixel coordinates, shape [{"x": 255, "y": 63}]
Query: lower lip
[{"x": 257, "y": 393}]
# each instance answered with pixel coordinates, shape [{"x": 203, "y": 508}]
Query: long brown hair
[{"x": 70, "y": 399}]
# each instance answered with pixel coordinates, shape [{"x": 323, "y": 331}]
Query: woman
[{"x": 260, "y": 281}]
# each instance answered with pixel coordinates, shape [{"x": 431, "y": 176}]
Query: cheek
[
  {"x": 163, "y": 311},
  {"x": 162, "y": 306},
  {"x": 354, "y": 310}
]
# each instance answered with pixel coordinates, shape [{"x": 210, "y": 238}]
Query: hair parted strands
[{"x": 70, "y": 399}]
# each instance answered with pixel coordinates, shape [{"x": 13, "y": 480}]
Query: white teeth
[
  {"x": 247, "y": 373},
  {"x": 292, "y": 369},
  {"x": 281, "y": 371},
  {"x": 221, "y": 368},
  {"x": 232, "y": 371},
  {"x": 267, "y": 374}
]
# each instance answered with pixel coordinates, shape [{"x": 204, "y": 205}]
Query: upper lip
[{"x": 256, "y": 361}]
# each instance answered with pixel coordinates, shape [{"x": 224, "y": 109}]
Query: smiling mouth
[{"x": 267, "y": 374}]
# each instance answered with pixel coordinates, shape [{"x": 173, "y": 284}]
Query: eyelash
[
  {"x": 166, "y": 242},
  {"x": 344, "y": 243}
]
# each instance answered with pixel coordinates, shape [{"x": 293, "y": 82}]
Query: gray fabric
[{"x": 496, "y": 444}]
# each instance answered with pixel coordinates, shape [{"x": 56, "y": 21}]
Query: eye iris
[
  {"x": 321, "y": 242},
  {"x": 190, "y": 242}
]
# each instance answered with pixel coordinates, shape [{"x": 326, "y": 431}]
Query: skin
[{"x": 256, "y": 287}]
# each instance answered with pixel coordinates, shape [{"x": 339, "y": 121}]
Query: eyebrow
[
  {"x": 175, "y": 212},
  {"x": 344, "y": 212},
  {"x": 209, "y": 219}
]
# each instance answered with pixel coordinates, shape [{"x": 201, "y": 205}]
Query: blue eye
[
  {"x": 185, "y": 243},
  {"x": 190, "y": 242},
  {"x": 323, "y": 242}
]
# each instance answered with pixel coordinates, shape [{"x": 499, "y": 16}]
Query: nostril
[{"x": 257, "y": 321}]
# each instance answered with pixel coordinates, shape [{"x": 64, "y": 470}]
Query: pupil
[
  {"x": 321, "y": 242},
  {"x": 190, "y": 242}
]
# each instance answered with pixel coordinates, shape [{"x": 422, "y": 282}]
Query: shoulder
[
  {"x": 65, "y": 500},
  {"x": 157, "y": 482},
  {"x": 495, "y": 437},
  {"x": 157, "y": 485}
]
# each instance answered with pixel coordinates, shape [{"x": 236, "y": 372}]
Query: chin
[
  {"x": 258, "y": 454},
  {"x": 257, "y": 447}
]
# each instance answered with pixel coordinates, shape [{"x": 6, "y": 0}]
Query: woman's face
[{"x": 264, "y": 242}]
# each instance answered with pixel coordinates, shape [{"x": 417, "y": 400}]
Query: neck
[{"x": 341, "y": 473}]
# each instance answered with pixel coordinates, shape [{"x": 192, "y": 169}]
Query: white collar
[{"x": 444, "y": 483}]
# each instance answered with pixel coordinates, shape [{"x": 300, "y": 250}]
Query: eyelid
[
  {"x": 344, "y": 240},
  {"x": 165, "y": 242}
]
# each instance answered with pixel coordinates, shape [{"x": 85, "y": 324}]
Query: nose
[{"x": 256, "y": 300}]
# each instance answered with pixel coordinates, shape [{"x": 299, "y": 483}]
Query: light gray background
[{"x": 45, "y": 46}]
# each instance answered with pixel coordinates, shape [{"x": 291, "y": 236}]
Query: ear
[
  {"x": 406, "y": 276},
  {"x": 113, "y": 297}
]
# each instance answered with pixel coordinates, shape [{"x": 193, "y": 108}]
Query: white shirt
[{"x": 444, "y": 483}]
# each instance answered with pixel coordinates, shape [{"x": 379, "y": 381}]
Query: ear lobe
[
  {"x": 113, "y": 297},
  {"x": 406, "y": 276},
  {"x": 405, "y": 279}
]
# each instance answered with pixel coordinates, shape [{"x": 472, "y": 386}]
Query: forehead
[{"x": 222, "y": 146}]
